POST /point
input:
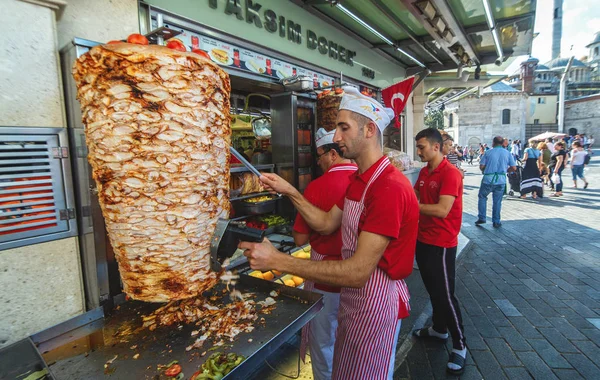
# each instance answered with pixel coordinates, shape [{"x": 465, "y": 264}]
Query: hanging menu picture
[{"x": 226, "y": 54}]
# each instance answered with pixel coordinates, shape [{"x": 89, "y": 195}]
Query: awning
[{"x": 436, "y": 34}]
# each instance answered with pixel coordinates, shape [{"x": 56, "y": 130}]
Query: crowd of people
[{"x": 537, "y": 164}]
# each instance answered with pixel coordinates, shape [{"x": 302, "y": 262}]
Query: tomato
[
  {"x": 195, "y": 374},
  {"x": 201, "y": 52},
  {"x": 176, "y": 45},
  {"x": 136, "y": 38},
  {"x": 173, "y": 370},
  {"x": 114, "y": 42}
]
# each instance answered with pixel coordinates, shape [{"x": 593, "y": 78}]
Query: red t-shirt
[
  {"x": 324, "y": 192},
  {"x": 391, "y": 210},
  {"x": 443, "y": 180}
]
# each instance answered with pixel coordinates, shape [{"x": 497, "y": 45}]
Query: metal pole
[{"x": 561, "y": 96}]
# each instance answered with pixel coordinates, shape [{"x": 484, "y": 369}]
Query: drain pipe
[{"x": 561, "y": 97}]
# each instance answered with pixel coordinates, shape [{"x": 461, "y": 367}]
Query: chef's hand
[
  {"x": 276, "y": 184},
  {"x": 261, "y": 256}
]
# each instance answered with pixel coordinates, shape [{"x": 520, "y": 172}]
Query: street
[{"x": 529, "y": 291}]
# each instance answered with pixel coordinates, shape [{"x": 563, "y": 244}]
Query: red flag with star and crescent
[{"x": 396, "y": 97}]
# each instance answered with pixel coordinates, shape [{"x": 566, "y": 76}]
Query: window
[
  {"x": 536, "y": 121},
  {"x": 35, "y": 206},
  {"x": 505, "y": 116},
  {"x": 539, "y": 76},
  {"x": 450, "y": 121},
  {"x": 595, "y": 52},
  {"x": 555, "y": 13},
  {"x": 541, "y": 100}
]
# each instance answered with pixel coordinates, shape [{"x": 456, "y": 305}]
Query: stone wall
[
  {"x": 41, "y": 285},
  {"x": 583, "y": 114},
  {"x": 98, "y": 20},
  {"x": 480, "y": 119},
  {"x": 30, "y": 86}
]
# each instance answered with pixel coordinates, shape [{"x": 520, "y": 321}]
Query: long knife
[{"x": 244, "y": 161}]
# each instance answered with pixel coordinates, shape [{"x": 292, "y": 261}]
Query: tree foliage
[{"x": 434, "y": 118}]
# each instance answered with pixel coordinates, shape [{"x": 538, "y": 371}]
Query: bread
[
  {"x": 220, "y": 55},
  {"x": 158, "y": 132}
]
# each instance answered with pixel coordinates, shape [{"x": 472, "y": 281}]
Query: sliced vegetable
[
  {"x": 201, "y": 52},
  {"x": 176, "y": 44},
  {"x": 137, "y": 38},
  {"x": 217, "y": 366},
  {"x": 173, "y": 370}
]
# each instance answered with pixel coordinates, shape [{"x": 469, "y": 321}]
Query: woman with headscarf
[
  {"x": 530, "y": 178},
  {"x": 558, "y": 162}
]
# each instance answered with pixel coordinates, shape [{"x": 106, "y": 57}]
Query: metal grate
[{"x": 32, "y": 189}]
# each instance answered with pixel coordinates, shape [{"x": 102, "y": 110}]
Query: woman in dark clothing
[
  {"x": 558, "y": 162},
  {"x": 530, "y": 178}
]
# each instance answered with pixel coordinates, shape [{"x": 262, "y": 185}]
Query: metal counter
[{"x": 81, "y": 352}]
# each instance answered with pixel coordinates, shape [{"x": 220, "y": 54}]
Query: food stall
[
  {"x": 114, "y": 337},
  {"x": 109, "y": 338}
]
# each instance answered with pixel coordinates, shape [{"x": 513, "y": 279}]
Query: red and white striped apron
[
  {"x": 368, "y": 316},
  {"x": 309, "y": 286},
  {"x": 316, "y": 256}
]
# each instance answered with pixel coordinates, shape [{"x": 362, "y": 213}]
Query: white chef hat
[
  {"x": 356, "y": 102},
  {"x": 323, "y": 137}
]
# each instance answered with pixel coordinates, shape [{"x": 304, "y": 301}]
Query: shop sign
[
  {"x": 286, "y": 28},
  {"x": 366, "y": 72}
]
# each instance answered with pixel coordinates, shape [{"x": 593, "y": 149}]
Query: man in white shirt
[
  {"x": 515, "y": 150},
  {"x": 550, "y": 144}
]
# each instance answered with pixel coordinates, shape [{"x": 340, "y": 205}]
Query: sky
[{"x": 581, "y": 20}]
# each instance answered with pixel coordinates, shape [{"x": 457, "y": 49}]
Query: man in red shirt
[
  {"x": 378, "y": 218},
  {"x": 324, "y": 192},
  {"x": 439, "y": 189}
]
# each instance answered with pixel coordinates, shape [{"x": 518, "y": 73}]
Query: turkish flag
[{"x": 396, "y": 97}]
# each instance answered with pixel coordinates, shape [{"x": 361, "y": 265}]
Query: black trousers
[{"x": 437, "y": 266}]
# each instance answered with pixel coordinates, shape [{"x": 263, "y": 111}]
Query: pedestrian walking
[
  {"x": 439, "y": 189},
  {"x": 319, "y": 334},
  {"x": 558, "y": 162},
  {"x": 531, "y": 182},
  {"x": 379, "y": 217},
  {"x": 471, "y": 156},
  {"x": 578, "y": 161},
  {"x": 494, "y": 165},
  {"x": 515, "y": 150}
]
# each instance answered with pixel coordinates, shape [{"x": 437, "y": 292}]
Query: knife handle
[{"x": 243, "y": 233}]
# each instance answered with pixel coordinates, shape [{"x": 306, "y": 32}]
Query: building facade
[
  {"x": 500, "y": 111},
  {"x": 583, "y": 114}
]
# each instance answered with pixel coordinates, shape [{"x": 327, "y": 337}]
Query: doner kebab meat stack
[{"x": 158, "y": 133}]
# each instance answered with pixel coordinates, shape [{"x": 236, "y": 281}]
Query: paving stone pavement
[{"x": 529, "y": 291}]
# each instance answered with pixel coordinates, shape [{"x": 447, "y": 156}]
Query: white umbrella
[{"x": 547, "y": 135}]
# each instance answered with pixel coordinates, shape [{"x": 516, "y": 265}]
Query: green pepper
[
  {"x": 217, "y": 376},
  {"x": 213, "y": 366},
  {"x": 203, "y": 376}
]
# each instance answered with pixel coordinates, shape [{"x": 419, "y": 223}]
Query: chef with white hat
[
  {"x": 324, "y": 192},
  {"x": 378, "y": 218}
]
